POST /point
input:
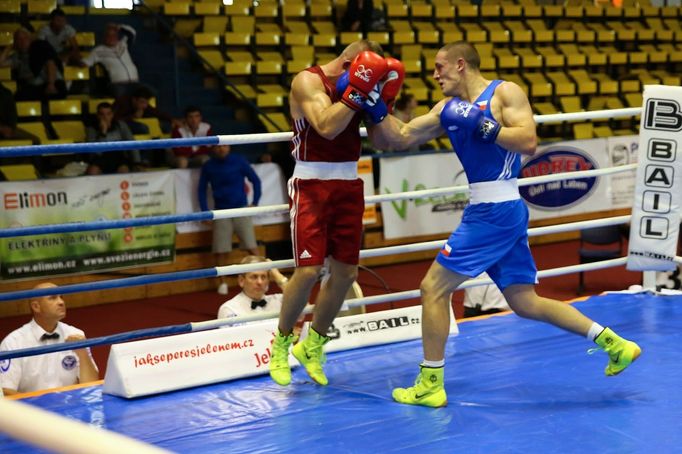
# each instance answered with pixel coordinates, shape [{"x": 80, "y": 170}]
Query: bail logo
[
  {"x": 388, "y": 323},
  {"x": 663, "y": 115},
  {"x": 558, "y": 194}
]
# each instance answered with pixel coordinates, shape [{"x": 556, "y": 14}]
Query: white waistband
[
  {"x": 314, "y": 170},
  {"x": 494, "y": 191}
]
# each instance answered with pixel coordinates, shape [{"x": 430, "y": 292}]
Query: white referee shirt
[
  {"x": 241, "y": 305},
  {"x": 34, "y": 373}
]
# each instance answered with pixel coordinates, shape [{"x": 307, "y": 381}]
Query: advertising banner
[
  {"x": 658, "y": 195},
  {"x": 566, "y": 197},
  {"x": 83, "y": 199},
  {"x": 432, "y": 215}
]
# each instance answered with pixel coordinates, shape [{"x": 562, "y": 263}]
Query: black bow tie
[
  {"x": 255, "y": 304},
  {"x": 46, "y": 336}
]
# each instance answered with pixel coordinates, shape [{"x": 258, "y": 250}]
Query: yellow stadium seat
[
  {"x": 243, "y": 24},
  {"x": 36, "y": 128},
  {"x": 518, "y": 31},
  {"x": 268, "y": 68},
  {"x": 444, "y": 12},
  {"x": 413, "y": 66},
  {"x": 529, "y": 59},
  {"x": 297, "y": 39},
  {"x": 282, "y": 123},
  {"x": 474, "y": 32},
  {"x": 514, "y": 77},
  {"x": 396, "y": 10},
  {"x": 241, "y": 55},
  {"x": 65, "y": 107},
  {"x": 349, "y": 37},
  {"x": 573, "y": 55},
  {"x": 427, "y": 33},
  {"x": 583, "y": 131},
  {"x": 153, "y": 125},
  {"x": 505, "y": 60},
  {"x": 10, "y": 6},
  {"x": 296, "y": 66},
  {"x": 238, "y": 68},
  {"x": 633, "y": 99},
  {"x": 417, "y": 87},
  {"x": 6, "y": 38},
  {"x": 36, "y": 7},
  {"x": 465, "y": 10},
  {"x": 324, "y": 27},
  {"x": 242, "y": 90},
  {"x": 544, "y": 108},
  {"x": 302, "y": 53},
  {"x": 76, "y": 73},
  {"x": 73, "y": 130},
  {"x": 19, "y": 172},
  {"x": 268, "y": 39},
  {"x": 184, "y": 27},
  {"x": 585, "y": 85},
  {"x": 291, "y": 9},
  {"x": 607, "y": 86},
  {"x": 510, "y": 10},
  {"x": 562, "y": 84},
  {"x": 540, "y": 32},
  {"x": 538, "y": 85},
  {"x": 237, "y": 39},
  {"x": 270, "y": 56},
  {"x": 320, "y": 10},
  {"x": 29, "y": 109},
  {"x": 206, "y": 39},
  {"x": 238, "y": 8},
  {"x": 403, "y": 37},
  {"x": 570, "y": 104},
  {"x": 176, "y": 8},
  {"x": 382, "y": 38},
  {"x": 324, "y": 40},
  {"x": 297, "y": 27},
  {"x": 267, "y": 10},
  {"x": 207, "y": 9},
  {"x": 497, "y": 33},
  {"x": 603, "y": 131},
  {"x": 213, "y": 57},
  {"x": 491, "y": 11},
  {"x": 594, "y": 56},
  {"x": 85, "y": 39},
  {"x": 269, "y": 100},
  {"x": 421, "y": 11},
  {"x": 215, "y": 24}
]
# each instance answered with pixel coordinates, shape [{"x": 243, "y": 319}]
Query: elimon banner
[
  {"x": 64, "y": 200},
  {"x": 377, "y": 328},
  {"x": 177, "y": 362},
  {"x": 273, "y": 192},
  {"x": 431, "y": 215},
  {"x": 658, "y": 194}
]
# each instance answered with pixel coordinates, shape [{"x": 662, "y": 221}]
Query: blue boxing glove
[
  {"x": 374, "y": 105},
  {"x": 462, "y": 114}
]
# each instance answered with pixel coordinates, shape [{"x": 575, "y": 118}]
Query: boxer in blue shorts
[{"x": 490, "y": 125}]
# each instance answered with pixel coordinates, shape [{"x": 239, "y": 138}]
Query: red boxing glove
[
  {"x": 392, "y": 82},
  {"x": 364, "y": 73}
]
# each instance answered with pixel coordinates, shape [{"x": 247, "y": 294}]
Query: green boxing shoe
[
  {"x": 280, "y": 371},
  {"x": 310, "y": 353},
  {"x": 428, "y": 389},
  {"x": 622, "y": 352}
]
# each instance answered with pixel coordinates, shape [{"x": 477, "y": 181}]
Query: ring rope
[
  {"x": 243, "y": 139},
  {"x": 210, "y": 324},
  {"x": 64, "y": 435},
  {"x": 256, "y": 211},
  {"x": 227, "y": 270}
]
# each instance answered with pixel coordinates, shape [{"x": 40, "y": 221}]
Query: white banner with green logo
[
  {"x": 431, "y": 215},
  {"x": 82, "y": 199}
]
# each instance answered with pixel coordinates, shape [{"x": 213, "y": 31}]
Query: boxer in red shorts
[{"x": 325, "y": 195}]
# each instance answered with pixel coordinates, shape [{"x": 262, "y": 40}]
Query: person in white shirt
[
  {"x": 484, "y": 299},
  {"x": 61, "y": 36},
  {"x": 52, "y": 370},
  {"x": 194, "y": 126},
  {"x": 116, "y": 59},
  {"x": 254, "y": 287}
]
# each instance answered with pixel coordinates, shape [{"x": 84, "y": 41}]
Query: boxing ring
[{"x": 513, "y": 384}]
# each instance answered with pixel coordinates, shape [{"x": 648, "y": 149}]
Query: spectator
[
  {"x": 254, "y": 287},
  {"x": 136, "y": 105},
  {"x": 114, "y": 56},
  {"x": 225, "y": 172},
  {"x": 8, "y": 119},
  {"x": 33, "y": 373},
  {"x": 193, "y": 127},
  {"x": 36, "y": 66},
  {"x": 358, "y": 16},
  {"x": 106, "y": 129},
  {"x": 61, "y": 36},
  {"x": 404, "y": 110},
  {"x": 484, "y": 299}
]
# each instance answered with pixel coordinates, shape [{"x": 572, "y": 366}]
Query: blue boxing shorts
[{"x": 492, "y": 237}]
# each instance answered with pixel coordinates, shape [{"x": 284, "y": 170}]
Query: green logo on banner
[{"x": 439, "y": 203}]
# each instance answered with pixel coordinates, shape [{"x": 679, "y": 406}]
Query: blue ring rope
[
  {"x": 105, "y": 340},
  {"x": 111, "y": 283},
  {"x": 102, "y": 225},
  {"x": 99, "y": 147}
]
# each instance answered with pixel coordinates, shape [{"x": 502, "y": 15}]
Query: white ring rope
[
  {"x": 60, "y": 434},
  {"x": 244, "y": 139},
  {"x": 409, "y": 195}
]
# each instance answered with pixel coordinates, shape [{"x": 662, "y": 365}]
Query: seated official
[
  {"x": 254, "y": 287},
  {"x": 484, "y": 299},
  {"x": 52, "y": 370}
]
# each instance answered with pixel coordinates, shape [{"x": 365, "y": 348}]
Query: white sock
[
  {"x": 433, "y": 364},
  {"x": 595, "y": 330}
]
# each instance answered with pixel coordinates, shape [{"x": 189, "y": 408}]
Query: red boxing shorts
[{"x": 326, "y": 219}]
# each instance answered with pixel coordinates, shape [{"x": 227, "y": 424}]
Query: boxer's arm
[
  {"x": 518, "y": 131},
  {"x": 392, "y": 134},
  {"x": 309, "y": 98}
]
